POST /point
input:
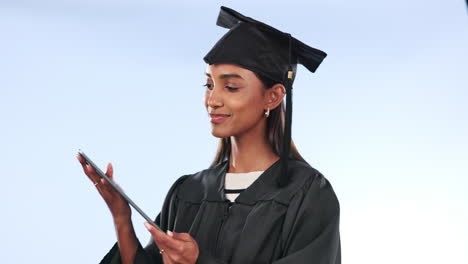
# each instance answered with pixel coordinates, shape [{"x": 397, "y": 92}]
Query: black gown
[{"x": 297, "y": 223}]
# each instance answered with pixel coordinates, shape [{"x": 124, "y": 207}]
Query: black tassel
[{"x": 283, "y": 178}]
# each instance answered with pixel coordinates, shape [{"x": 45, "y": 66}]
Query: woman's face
[{"x": 235, "y": 100}]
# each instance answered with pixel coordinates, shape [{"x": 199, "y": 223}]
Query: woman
[{"x": 259, "y": 202}]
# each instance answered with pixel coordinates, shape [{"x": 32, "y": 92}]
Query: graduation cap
[{"x": 265, "y": 50}]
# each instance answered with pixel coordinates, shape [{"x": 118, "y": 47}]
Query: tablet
[{"x": 117, "y": 189}]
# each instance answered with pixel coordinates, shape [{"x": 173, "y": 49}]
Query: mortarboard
[{"x": 263, "y": 49}]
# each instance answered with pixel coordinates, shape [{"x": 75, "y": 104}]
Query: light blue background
[{"x": 384, "y": 118}]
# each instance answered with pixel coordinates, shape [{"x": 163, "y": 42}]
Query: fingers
[
  {"x": 175, "y": 247},
  {"x": 180, "y": 236},
  {"x": 110, "y": 171},
  {"x": 83, "y": 163},
  {"x": 170, "y": 253},
  {"x": 110, "y": 174},
  {"x": 167, "y": 258},
  {"x": 155, "y": 233},
  {"x": 92, "y": 174},
  {"x": 163, "y": 240},
  {"x": 158, "y": 238},
  {"x": 88, "y": 170},
  {"x": 100, "y": 186}
]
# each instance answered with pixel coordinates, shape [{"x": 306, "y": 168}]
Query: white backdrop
[{"x": 384, "y": 118}]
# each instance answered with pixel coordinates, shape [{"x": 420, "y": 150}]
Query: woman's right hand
[{"x": 119, "y": 208}]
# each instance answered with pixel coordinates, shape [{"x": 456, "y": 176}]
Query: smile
[{"x": 216, "y": 119}]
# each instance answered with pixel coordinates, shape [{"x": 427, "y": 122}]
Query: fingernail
[
  {"x": 147, "y": 225},
  {"x": 170, "y": 233}
]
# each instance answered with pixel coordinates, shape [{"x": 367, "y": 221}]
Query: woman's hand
[
  {"x": 179, "y": 248},
  {"x": 119, "y": 208}
]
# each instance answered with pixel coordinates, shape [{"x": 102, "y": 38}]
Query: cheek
[
  {"x": 245, "y": 115},
  {"x": 247, "y": 110}
]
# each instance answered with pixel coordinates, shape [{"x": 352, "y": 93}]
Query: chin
[{"x": 220, "y": 133}]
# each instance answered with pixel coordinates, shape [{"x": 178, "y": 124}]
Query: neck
[{"x": 251, "y": 152}]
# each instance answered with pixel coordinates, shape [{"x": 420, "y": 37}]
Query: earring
[{"x": 267, "y": 112}]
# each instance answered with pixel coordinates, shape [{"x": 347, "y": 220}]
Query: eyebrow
[{"x": 225, "y": 76}]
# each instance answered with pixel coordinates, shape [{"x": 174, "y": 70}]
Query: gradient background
[{"x": 384, "y": 118}]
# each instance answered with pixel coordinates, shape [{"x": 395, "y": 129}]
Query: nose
[{"x": 213, "y": 98}]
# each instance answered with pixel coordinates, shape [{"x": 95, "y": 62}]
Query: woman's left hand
[{"x": 179, "y": 248}]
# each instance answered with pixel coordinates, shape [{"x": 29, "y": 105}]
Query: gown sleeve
[
  {"x": 310, "y": 230},
  {"x": 150, "y": 253}
]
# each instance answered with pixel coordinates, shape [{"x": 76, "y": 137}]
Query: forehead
[{"x": 216, "y": 70}]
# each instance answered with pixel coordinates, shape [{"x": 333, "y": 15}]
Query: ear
[{"x": 274, "y": 96}]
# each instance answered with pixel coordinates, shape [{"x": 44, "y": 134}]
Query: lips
[{"x": 218, "y": 118}]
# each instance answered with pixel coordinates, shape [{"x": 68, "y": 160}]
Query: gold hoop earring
[{"x": 267, "y": 112}]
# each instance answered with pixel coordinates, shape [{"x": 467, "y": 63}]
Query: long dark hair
[{"x": 274, "y": 130}]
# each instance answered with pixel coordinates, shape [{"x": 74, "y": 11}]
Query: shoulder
[
  {"x": 303, "y": 174},
  {"x": 306, "y": 182},
  {"x": 317, "y": 191}
]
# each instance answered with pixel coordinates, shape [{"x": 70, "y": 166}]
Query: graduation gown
[{"x": 297, "y": 223}]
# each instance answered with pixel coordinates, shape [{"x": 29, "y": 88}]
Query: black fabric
[
  {"x": 260, "y": 48},
  {"x": 233, "y": 190},
  {"x": 297, "y": 223}
]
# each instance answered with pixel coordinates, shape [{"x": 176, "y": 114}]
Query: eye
[
  {"x": 232, "y": 89},
  {"x": 208, "y": 86}
]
